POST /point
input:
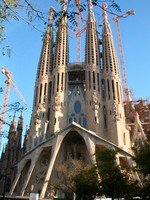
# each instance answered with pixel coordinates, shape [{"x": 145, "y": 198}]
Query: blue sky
[{"x": 25, "y": 43}]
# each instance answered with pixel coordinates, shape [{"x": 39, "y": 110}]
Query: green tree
[
  {"x": 142, "y": 159},
  {"x": 87, "y": 184},
  {"x": 105, "y": 178},
  {"x": 77, "y": 177},
  {"x": 116, "y": 182}
]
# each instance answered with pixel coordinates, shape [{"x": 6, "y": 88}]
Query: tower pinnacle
[
  {"x": 105, "y": 18},
  {"x": 14, "y": 117},
  {"x": 104, "y": 7},
  {"x": 64, "y": 5},
  {"x": 51, "y": 10},
  {"x": 20, "y": 121},
  {"x": 90, "y": 6},
  {"x": 21, "y": 114},
  {"x": 13, "y": 123}
]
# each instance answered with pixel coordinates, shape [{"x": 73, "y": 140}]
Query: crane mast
[
  {"x": 78, "y": 35},
  {"x": 138, "y": 132},
  {"x": 3, "y": 114},
  {"x": 137, "y": 124},
  {"x": 5, "y": 101},
  {"x": 78, "y": 31},
  {"x": 122, "y": 64},
  {"x": 126, "y": 92}
]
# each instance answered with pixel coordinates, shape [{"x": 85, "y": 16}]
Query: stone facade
[{"x": 77, "y": 108}]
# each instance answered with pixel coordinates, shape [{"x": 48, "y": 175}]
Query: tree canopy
[
  {"x": 75, "y": 176},
  {"x": 117, "y": 182},
  {"x": 142, "y": 159},
  {"x": 105, "y": 178}
]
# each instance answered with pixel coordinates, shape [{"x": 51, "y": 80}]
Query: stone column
[
  {"x": 55, "y": 150},
  {"x": 33, "y": 162}
]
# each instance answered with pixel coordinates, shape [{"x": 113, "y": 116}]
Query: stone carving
[
  {"x": 51, "y": 191},
  {"x": 37, "y": 121},
  {"x": 44, "y": 162},
  {"x": 41, "y": 173},
  {"x": 69, "y": 156},
  {"x": 95, "y": 97},
  {"x": 57, "y": 103},
  {"x": 115, "y": 112},
  {"x": 95, "y": 101}
]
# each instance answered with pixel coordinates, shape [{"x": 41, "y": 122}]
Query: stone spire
[
  {"x": 110, "y": 67},
  {"x": 58, "y": 81},
  {"x": 42, "y": 80},
  {"x": 113, "y": 110},
  {"x": 45, "y": 62},
  {"x": 44, "y": 66},
  {"x": 92, "y": 62},
  {"x": 13, "y": 123},
  {"x": 61, "y": 44},
  {"x": 110, "y": 63},
  {"x": 20, "y": 121},
  {"x": 19, "y": 131},
  {"x": 13, "y": 148},
  {"x": 92, "y": 54}
]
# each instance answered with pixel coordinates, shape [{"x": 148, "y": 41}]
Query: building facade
[{"x": 77, "y": 108}]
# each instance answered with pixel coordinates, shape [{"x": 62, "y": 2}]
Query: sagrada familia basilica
[{"x": 77, "y": 109}]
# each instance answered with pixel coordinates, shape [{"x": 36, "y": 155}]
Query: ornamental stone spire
[
  {"x": 57, "y": 110},
  {"x": 92, "y": 65},
  {"x": 39, "y": 113},
  {"x": 113, "y": 110},
  {"x": 92, "y": 53}
]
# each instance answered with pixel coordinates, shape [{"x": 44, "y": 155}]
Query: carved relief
[
  {"x": 41, "y": 173},
  {"x": 39, "y": 110},
  {"x": 50, "y": 192},
  {"x": 37, "y": 121},
  {"x": 115, "y": 112},
  {"x": 57, "y": 103},
  {"x": 95, "y": 101},
  {"x": 95, "y": 97}
]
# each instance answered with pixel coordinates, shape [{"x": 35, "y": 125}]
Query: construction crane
[
  {"x": 78, "y": 35},
  {"x": 78, "y": 31},
  {"x": 126, "y": 92},
  {"x": 138, "y": 133},
  {"x": 8, "y": 83},
  {"x": 138, "y": 129}
]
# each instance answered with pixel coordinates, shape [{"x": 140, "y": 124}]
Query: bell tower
[
  {"x": 113, "y": 110},
  {"x": 58, "y": 89},
  {"x": 40, "y": 116},
  {"x": 92, "y": 70}
]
